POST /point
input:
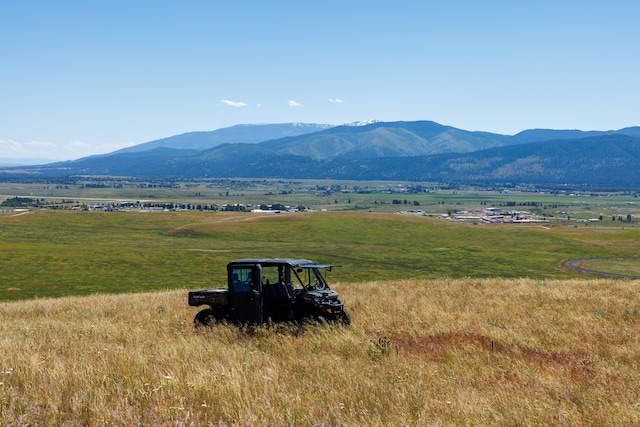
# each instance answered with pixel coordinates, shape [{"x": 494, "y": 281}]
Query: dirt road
[{"x": 575, "y": 264}]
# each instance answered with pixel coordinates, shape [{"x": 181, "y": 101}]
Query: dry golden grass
[{"x": 438, "y": 352}]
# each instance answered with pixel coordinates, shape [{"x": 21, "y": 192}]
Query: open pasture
[
  {"x": 419, "y": 352},
  {"x": 60, "y": 253}
]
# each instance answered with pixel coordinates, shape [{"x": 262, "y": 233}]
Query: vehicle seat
[
  {"x": 238, "y": 285},
  {"x": 268, "y": 291},
  {"x": 284, "y": 291}
]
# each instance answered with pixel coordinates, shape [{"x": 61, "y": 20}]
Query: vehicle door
[{"x": 245, "y": 292}]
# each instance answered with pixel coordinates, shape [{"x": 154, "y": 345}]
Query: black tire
[
  {"x": 345, "y": 319},
  {"x": 206, "y": 317},
  {"x": 321, "y": 320}
]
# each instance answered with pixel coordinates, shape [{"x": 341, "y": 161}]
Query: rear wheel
[{"x": 206, "y": 317}]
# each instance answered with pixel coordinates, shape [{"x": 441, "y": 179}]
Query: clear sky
[{"x": 87, "y": 77}]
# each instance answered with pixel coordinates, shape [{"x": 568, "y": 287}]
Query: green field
[{"x": 52, "y": 253}]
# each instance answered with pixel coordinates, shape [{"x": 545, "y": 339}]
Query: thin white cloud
[
  {"x": 10, "y": 149},
  {"x": 336, "y": 100},
  {"x": 293, "y": 103},
  {"x": 10, "y": 146},
  {"x": 233, "y": 103}
]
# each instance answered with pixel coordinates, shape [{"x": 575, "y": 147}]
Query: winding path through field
[{"x": 575, "y": 264}]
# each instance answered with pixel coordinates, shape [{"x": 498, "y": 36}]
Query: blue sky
[{"x": 84, "y": 77}]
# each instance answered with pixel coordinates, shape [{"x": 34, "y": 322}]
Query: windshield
[{"x": 311, "y": 278}]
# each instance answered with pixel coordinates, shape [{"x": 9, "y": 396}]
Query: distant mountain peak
[
  {"x": 318, "y": 125},
  {"x": 364, "y": 122}
]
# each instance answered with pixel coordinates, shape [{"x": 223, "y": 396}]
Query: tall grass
[{"x": 419, "y": 352}]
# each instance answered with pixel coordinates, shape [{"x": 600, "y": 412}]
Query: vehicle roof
[{"x": 293, "y": 262}]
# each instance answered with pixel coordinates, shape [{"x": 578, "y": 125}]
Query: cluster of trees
[
  {"x": 532, "y": 204},
  {"x": 619, "y": 218},
  {"x": 21, "y": 202},
  {"x": 405, "y": 202}
]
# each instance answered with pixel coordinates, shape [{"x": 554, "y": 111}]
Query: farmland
[{"x": 558, "y": 203}]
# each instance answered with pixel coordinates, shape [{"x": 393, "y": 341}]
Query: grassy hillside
[
  {"x": 419, "y": 352},
  {"x": 63, "y": 253}
]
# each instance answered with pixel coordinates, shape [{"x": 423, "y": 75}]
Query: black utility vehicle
[{"x": 267, "y": 289}]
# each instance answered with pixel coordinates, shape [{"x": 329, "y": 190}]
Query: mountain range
[
  {"x": 414, "y": 151},
  {"x": 231, "y": 135}
]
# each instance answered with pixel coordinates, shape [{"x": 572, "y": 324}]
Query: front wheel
[
  {"x": 345, "y": 319},
  {"x": 206, "y": 317},
  {"x": 320, "y": 320}
]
